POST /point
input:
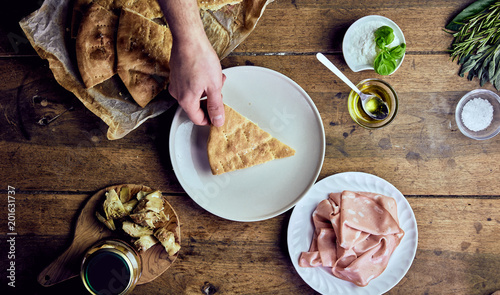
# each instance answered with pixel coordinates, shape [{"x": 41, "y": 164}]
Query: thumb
[{"x": 215, "y": 108}]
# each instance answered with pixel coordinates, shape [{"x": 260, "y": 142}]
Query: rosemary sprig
[{"x": 476, "y": 46}]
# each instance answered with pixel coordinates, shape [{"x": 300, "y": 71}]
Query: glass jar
[
  {"x": 111, "y": 267},
  {"x": 383, "y": 90}
]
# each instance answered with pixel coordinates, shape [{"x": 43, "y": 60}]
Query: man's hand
[{"x": 195, "y": 69}]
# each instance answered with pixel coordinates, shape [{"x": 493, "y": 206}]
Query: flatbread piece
[
  {"x": 148, "y": 8},
  {"x": 240, "y": 144},
  {"x": 143, "y": 54},
  {"x": 217, "y": 35},
  {"x": 215, "y": 4},
  {"x": 95, "y": 46}
]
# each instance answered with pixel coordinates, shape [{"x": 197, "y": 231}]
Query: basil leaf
[
  {"x": 384, "y": 64},
  {"x": 384, "y": 36},
  {"x": 476, "y": 7},
  {"x": 390, "y": 38},
  {"x": 380, "y": 41},
  {"x": 383, "y": 31},
  {"x": 377, "y": 62},
  {"x": 397, "y": 52}
]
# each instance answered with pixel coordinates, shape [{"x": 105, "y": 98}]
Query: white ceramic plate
[
  {"x": 300, "y": 233},
  {"x": 282, "y": 108},
  {"x": 351, "y": 51}
]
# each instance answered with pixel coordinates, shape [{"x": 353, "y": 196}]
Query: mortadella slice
[{"x": 355, "y": 234}]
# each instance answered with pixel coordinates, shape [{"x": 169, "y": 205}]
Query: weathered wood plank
[
  {"x": 418, "y": 73},
  {"x": 311, "y": 26},
  {"x": 85, "y": 166},
  {"x": 463, "y": 224},
  {"x": 411, "y": 153},
  {"x": 457, "y": 252},
  {"x": 422, "y": 153},
  {"x": 302, "y": 26}
]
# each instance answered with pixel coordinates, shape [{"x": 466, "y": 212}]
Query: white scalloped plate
[{"x": 300, "y": 233}]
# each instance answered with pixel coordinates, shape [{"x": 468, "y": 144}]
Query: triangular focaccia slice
[
  {"x": 240, "y": 143},
  {"x": 143, "y": 54},
  {"x": 95, "y": 46}
]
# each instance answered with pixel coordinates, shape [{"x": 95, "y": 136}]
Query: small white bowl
[
  {"x": 494, "y": 127},
  {"x": 353, "y": 52}
]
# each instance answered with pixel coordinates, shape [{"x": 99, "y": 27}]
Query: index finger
[{"x": 192, "y": 107}]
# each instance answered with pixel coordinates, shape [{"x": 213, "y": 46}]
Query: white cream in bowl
[{"x": 359, "y": 48}]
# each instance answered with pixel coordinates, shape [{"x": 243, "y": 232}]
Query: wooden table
[{"x": 451, "y": 182}]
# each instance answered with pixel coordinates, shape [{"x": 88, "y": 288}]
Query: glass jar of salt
[{"x": 477, "y": 114}]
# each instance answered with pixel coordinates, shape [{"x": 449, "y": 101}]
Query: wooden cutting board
[{"x": 89, "y": 230}]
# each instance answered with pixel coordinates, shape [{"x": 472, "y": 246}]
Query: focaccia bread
[
  {"x": 142, "y": 46},
  {"x": 148, "y": 8},
  {"x": 215, "y": 4},
  {"x": 95, "y": 45},
  {"x": 240, "y": 144},
  {"x": 110, "y": 100},
  {"x": 217, "y": 35},
  {"x": 143, "y": 54}
]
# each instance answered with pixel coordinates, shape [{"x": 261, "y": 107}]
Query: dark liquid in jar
[{"x": 107, "y": 272}]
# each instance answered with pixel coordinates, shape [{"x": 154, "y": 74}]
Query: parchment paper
[{"x": 48, "y": 30}]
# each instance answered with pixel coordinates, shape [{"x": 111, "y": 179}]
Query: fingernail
[
  {"x": 204, "y": 122},
  {"x": 217, "y": 121}
]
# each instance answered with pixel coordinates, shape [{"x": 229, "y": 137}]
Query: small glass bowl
[
  {"x": 384, "y": 91},
  {"x": 494, "y": 127}
]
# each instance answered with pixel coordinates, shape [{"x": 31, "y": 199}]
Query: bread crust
[
  {"x": 143, "y": 54},
  {"x": 240, "y": 144},
  {"x": 95, "y": 45},
  {"x": 215, "y": 4}
]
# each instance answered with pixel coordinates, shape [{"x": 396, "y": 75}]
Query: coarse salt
[{"x": 477, "y": 114}]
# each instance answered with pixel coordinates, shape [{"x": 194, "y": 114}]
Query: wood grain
[
  {"x": 450, "y": 181},
  {"x": 89, "y": 230},
  {"x": 457, "y": 248},
  {"x": 422, "y": 152}
]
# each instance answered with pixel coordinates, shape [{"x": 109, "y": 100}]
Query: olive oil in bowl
[{"x": 379, "y": 88}]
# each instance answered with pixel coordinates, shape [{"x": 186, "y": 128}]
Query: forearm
[
  {"x": 183, "y": 18},
  {"x": 195, "y": 68}
]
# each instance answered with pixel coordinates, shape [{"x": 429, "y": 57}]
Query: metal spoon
[{"x": 373, "y": 105}]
